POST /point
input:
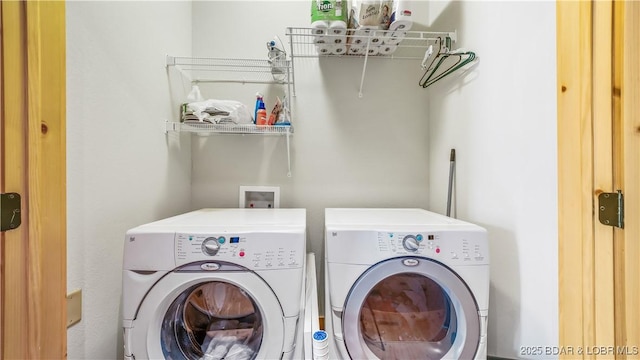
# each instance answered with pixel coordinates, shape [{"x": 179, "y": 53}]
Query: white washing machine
[
  {"x": 215, "y": 283},
  {"x": 405, "y": 284}
]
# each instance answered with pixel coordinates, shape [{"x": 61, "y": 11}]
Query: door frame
[
  {"x": 598, "y": 150},
  {"x": 581, "y": 72},
  {"x": 33, "y": 92}
]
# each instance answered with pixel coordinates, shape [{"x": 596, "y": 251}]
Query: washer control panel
[
  {"x": 252, "y": 250},
  {"x": 457, "y": 247}
]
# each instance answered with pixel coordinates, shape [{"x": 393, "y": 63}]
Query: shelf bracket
[
  {"x": 170, "y": 61},
  {"x": 288, "y": 153},
  {"x": 171, "y": 126}
]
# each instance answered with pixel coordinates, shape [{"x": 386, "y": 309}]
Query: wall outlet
[
  {"x": 74, "y": 307},
  {"x": 266, "y": 197}
]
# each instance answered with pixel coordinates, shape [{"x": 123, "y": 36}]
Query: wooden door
[
  {"x": 32, "y": 163},
  {"x": 598, "y": 151},
  {"x": 627, "y": 174}
]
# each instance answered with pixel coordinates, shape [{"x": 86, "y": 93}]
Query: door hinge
[
  {"x": 611, "y": 206},
  {"x": 10, "y": 211}
]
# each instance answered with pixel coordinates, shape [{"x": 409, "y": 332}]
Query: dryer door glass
[
  {"x": 216, "y": 319},
  {"x": 408, "y": 316},
  {"x": 410, "y": 308}
]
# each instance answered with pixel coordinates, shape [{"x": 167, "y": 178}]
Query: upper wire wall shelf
[
  {"x": 227, "y": 70},
  {"x": 365, "y": 44}
]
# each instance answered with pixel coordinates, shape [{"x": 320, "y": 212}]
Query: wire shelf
[
  {"x": 377, "y": 43},
  {"x": 255, "y": 71},
  {"x": 276, "y": 70},
  {"x": 364, "y": 44},
  {"x": 241, "y": 129}
]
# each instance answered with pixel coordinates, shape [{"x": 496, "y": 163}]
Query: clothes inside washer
[
  {"x": 211, "y": 321},
  {"x": 227, "y": 348}
]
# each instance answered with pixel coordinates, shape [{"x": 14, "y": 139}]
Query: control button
[
  {"x": 221, "y": 239},
  {"x": 410, "y": 243},
  {"x": 437, "y": 250},
  {"x": 419, "y": 237},
  {"x": 210, "y": 246},
  {"x": 454, "y": 255},
  {"x": 241, "y": 253}
]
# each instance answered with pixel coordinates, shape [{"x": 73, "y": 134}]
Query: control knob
[
  {"x": 210, "y": 246},
  {"x": 410, "y": 243}
]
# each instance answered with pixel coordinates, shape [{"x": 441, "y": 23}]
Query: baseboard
[{"x": 489, "y": 357}]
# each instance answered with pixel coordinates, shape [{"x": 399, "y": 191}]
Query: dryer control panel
[
  {"x": 451, "y": 246},
  {"x": 251, "y": 250}
]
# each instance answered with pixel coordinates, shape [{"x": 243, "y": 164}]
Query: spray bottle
[
  {"x": 261, "y": 110},
  {"x": 255, "y": 111}
]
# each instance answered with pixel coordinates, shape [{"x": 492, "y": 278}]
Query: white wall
[
  {"x": 346, "y": 151},
  {"x": 501, "y": 119},
  {"x": 122, "y": 169}
]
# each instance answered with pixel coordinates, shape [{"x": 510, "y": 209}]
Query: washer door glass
[
  {"x": 408, "y": 316},
  {"x": 216, "y": 319}
]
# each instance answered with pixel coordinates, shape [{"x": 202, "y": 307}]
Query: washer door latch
[
  {"x": 10, "y": 211},
  {"x": 611, "y": 209}
]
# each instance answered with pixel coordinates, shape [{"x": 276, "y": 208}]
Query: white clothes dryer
[
  {"x": 405, "y": 284},
  {"x": 215, "y": 284}
]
